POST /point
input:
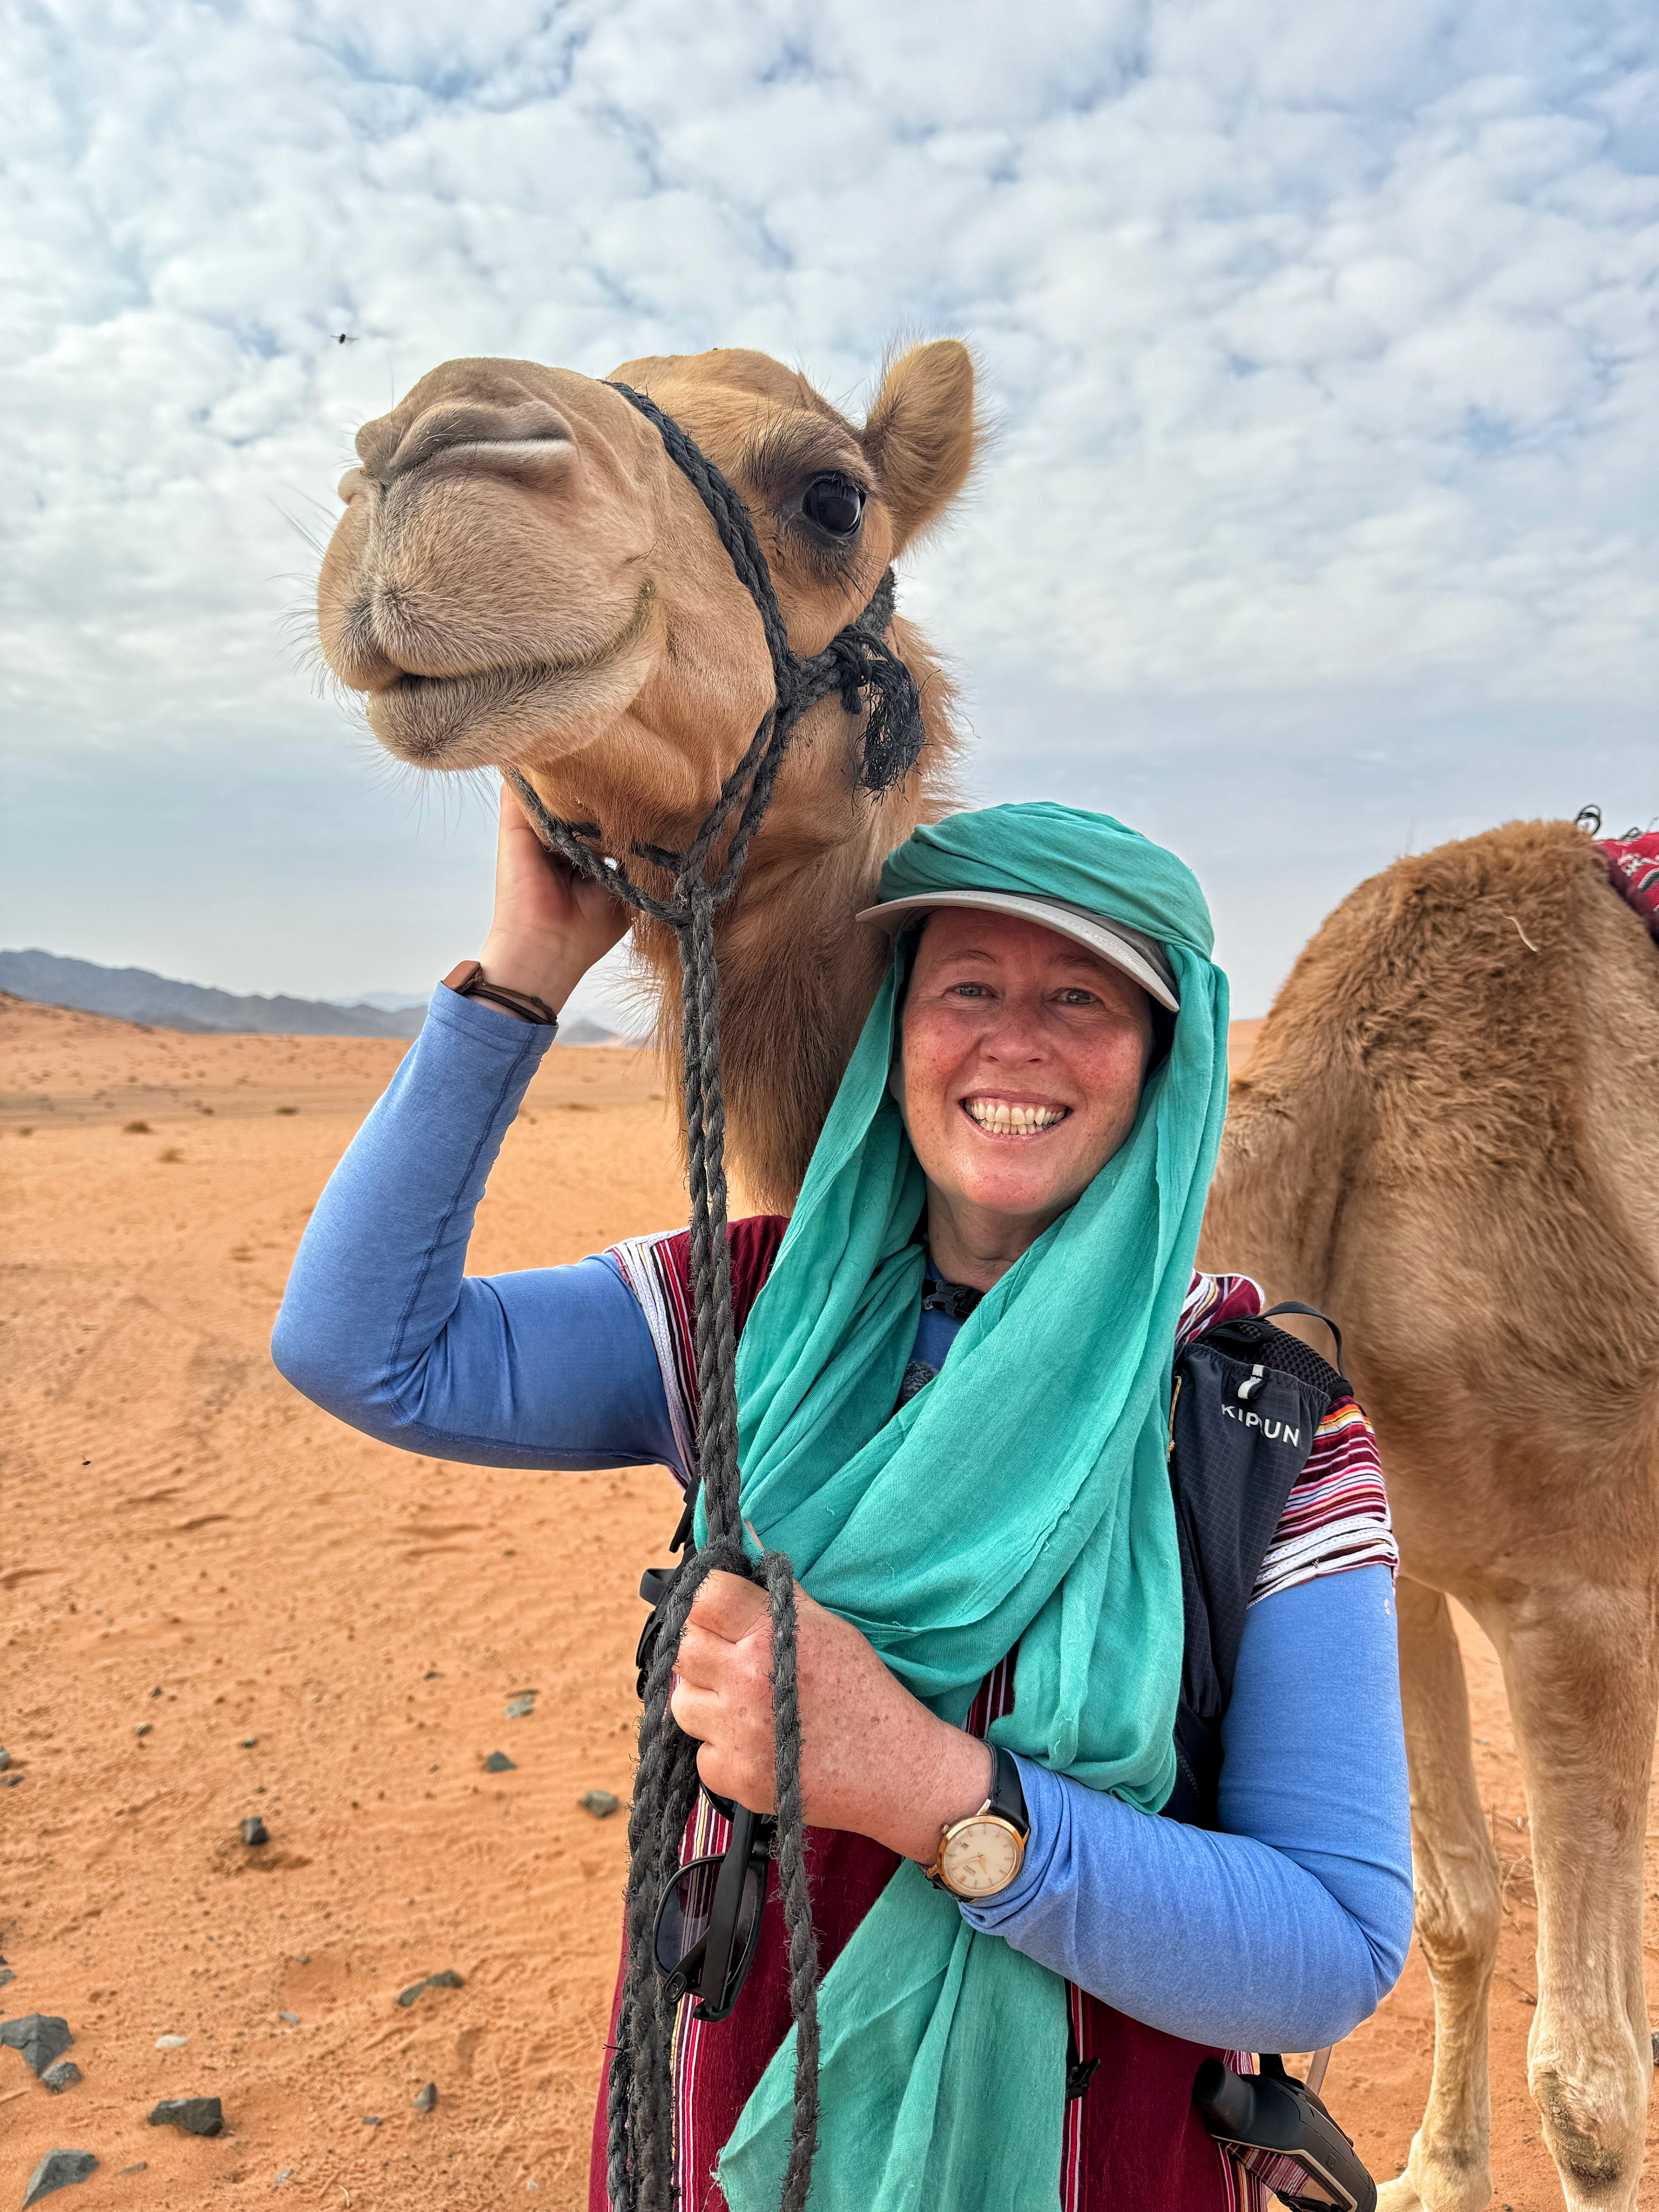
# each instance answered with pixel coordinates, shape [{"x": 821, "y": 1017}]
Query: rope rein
[{"x": 863, "y": 667}]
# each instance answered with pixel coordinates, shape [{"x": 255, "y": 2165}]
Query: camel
[
  {"x": 522, "y": 578},
  {"x": 1448, "y": 1139}
]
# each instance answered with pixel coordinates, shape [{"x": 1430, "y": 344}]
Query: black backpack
[{"x": 1247, "y": 1403}]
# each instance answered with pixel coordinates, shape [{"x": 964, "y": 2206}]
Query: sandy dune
[{"x": 310, "y": 1627}]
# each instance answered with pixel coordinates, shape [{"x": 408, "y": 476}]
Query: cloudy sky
[{"x": 1319, "y": 526}]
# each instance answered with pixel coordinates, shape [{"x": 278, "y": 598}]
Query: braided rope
[
  {"x": 862, "y": 667},
  {"x": 792, "y": 1867}
]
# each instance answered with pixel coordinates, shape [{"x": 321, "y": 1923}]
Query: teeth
[{"x": 1004, "y": 1121}]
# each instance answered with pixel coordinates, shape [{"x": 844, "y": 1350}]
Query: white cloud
[{"x": 1320, "y": 340}]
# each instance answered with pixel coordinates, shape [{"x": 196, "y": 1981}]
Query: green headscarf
[{"x": 1022, "y": 1498}]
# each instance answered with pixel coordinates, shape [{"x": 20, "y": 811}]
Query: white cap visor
[{"x": 1138, "y": 956}]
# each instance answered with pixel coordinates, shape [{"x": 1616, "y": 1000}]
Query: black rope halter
[{"x": 862, "y": 666}]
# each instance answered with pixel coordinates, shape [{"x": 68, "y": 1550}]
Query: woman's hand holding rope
[
  {"x": 874, "y": 1759},
  {"x": 550, "y": 924}
]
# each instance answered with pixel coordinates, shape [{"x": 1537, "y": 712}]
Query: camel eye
[{"x": 835, "y": 503}]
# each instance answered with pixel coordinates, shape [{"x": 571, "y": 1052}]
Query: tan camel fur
[
  {"x": 1448, "y": 1139},
  {"x": 523, "y": 577}
]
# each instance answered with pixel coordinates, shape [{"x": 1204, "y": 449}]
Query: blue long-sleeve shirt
[{"x": 1279, "y": 1932}]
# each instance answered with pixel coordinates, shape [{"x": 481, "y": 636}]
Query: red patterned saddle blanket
[{"x": 1633, "y": 864}]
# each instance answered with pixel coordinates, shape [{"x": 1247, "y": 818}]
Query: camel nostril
[
  {"x": 481, "y": 430},
  {"x": 376, "y": 442}
]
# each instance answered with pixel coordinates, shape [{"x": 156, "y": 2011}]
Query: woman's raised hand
[
  {"x": 874, "y": 1759},
  {"x": 550, "y": 924}
]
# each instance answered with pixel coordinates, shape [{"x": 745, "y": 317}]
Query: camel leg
[
  {"x": 1459, "y": 1912},
  {"x": 1579, "y": 1664}
]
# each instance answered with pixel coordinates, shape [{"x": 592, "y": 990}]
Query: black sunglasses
[{"x": 708, "y": 1918}]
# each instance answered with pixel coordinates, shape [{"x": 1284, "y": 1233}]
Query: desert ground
[{"x": 219, "y": 1603}]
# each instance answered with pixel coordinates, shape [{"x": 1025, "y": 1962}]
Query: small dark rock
[
  {"x": 5, "y": 1759},
  {"x": 371, "y": 2120},
  {"x": 142, "y": 2167},
  {"x": 599, "y": 1803},
  {"x": 292, "y": 2018},
  {"x": 522, "y": 1705},
  {"x": 425, "y": 2099},
  {"x": 254, "y": 1831},
  {"x": 1656, "y": 2047},
  {"x": 197, "y": 2116},
  {"x": 449, "y": 1979},
  {"x": 6, "y": 1975},
  {"x": 40, "y": 2036},
  {"x": 498, "y": 1763},
  {"x": 249, "y": 1742},
  {"x": 9, "y": 1781},
  {"x": 143, "y": 1729},
  {"x": 63, "y": 2075},
  {"x": 56, "y": 2170},
  {"x": 156, "y": 1692}
]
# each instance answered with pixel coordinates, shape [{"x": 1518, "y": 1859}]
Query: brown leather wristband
[{"x": 468, "y": 982}]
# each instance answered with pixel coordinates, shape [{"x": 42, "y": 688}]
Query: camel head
[{"x": 523, "y": 577}]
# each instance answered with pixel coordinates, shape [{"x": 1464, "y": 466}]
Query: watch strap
[
  {"x": 468, "y": 980},
  {"x": 1008, "y": 1798}
]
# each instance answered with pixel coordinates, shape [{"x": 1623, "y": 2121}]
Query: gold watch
[{"x": 980, "y": 1856}]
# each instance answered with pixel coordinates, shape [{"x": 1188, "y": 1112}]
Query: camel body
[{"x": 1448, "y": 1139}]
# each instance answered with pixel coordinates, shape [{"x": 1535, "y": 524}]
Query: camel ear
[{"x": 920, "y": 433}]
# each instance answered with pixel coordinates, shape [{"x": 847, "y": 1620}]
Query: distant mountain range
[
  {"x": 134, "y": 994},
  {"x": 387, "y": 1002}
]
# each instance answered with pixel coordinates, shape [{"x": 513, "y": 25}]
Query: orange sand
[{"x": 177, "y": 1520}]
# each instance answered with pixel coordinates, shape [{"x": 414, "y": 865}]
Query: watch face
[{"x": 981, "y": 1857}]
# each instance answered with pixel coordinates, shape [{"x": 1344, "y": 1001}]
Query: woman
[{"x": 955, "y": 1413}]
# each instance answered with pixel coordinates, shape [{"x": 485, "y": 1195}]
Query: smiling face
[{"x": 1021, "y": 1064}]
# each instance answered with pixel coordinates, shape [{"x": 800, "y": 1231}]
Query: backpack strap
[
  {"x": 1248, "y": 1400},
  {"x": 1296, "y": 1306}
]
